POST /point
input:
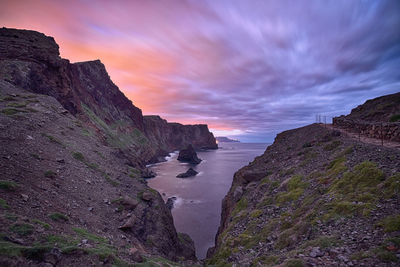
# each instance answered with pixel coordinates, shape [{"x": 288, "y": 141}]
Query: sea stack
[
  {"x": 189, "y": 155},
  {"x": 188, "y": 173}
]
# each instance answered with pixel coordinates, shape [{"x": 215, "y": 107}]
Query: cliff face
[
  {"x": 175, "y": 136},
  {"x": 31, "y": 60},
  {"x": 314, "y": 198},
  {"x": 72, "y": 150}
]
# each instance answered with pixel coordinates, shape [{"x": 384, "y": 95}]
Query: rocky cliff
[
  {"x": 316, "y": 197},
  {"x": 381, "y": 109},
  {"x": 376, "y": 118},
  {"x": 30, "y": 60},
  {"x": 175, "y": 136},
  {"x": 72, "y": 147}
]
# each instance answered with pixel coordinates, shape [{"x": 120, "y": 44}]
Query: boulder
[
  {"x": 188, "y": 173},
  {"x": 129, "y": 202},
  {"x": 170, "y": 202},
  {"x": 147, "y": 173},
  {"x": 147, "y": 196},
  {"x": 129, "y": 223},
  {"x": 189, "y": 155},
  {"x": 135, "y": 255}
]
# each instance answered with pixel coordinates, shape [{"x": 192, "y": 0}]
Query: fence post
[{"x": 382, "y": 133}]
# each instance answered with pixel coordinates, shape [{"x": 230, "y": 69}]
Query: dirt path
[{"x": 365, "y": 139}]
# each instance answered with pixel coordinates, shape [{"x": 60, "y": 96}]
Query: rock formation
[
  {"x": 328, "y": 200},
  {"x": 73, "y": 150},
  {"x": 30, "y": 60},
  {"x": 189, "y": 155},
  {"x": 189, "y": 173},
  {"x": 170, "y": 202}
]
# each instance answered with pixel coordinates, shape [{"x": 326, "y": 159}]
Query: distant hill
[{"x": 223, "y": 139}]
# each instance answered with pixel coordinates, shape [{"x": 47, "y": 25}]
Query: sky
[{"x": 249, "y": 69}]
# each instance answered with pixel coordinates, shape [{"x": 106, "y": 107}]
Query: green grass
[
  {"x": 241, "y": 205},
  {"x": 391, "y": 186},
  {"x": 8, "y": 185},
  {"x": 256, "y": 213},
  {"x": 289, "y": 196},
  {"x": 364, "y": 178},
  {"x": 395, "y": 118},
  {"x": 58, "y": 217},
  {"x": 110, "y": 180},
  {"x": 322, "y": 242},
  {"x": 78, "y": 156},
  {"x": 85, "y": 234},
  {"x": 45, "y": 225},
  {"x": 53, "y": 139},
  {"x": 383, "y": 255},
  {"x": 35, "y": 156},
  {"x": 22, "y": 229},
  {"x": 333, "y": 145},
  {"x": 391, "y": 223},
  {"x": 134, "y": 173},
  {"x": 294, "y": 263},
  {"x": 4, "y": 204},
  {"x": 295, "y": 189},
  {"x": 11, "y": 217},
  {"x": 50, "y": 174},
  {"x": 16, "y": 105},
  {"x": 9, "y": 98},
  {"x": 11, "y": 111}
]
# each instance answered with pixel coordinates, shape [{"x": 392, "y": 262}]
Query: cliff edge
[
  {"x": 316, "y": 197},
  {"x": 72, "y": 148}
]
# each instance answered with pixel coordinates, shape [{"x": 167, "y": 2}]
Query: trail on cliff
[{"x": 365, "y": 139}]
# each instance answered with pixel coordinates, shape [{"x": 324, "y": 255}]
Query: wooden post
[{"x": 382, "y": 133}]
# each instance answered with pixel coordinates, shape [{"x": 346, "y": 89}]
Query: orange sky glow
[{"x": 248, "y": 69}]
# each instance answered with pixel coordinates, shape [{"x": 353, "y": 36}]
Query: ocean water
[{"x": 197, "y": 209}]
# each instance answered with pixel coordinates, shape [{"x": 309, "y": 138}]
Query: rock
[
  {"x": 186, "y": 245},
  {"x": 170, "y": 202},
  {"x": 188, "y": 173},
  {"x": 53, "y": 257},
  {"x": 90, "y": 209},
  {"x": 147, "y": 173},
  {"x": 59, "y": 160},
  {"x": 25, "y": 197},
  {"x": 189, "y": 155},
  {"x": 237, "y": 194},
  {"x": 147, "y": 196},
  {"x": 129, "y": 202},
  {"x": 135, "y": 255},
  {"x": 129, "y": 223}
]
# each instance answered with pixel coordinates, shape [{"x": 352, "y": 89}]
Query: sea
[{"x": 197, "y": 208}]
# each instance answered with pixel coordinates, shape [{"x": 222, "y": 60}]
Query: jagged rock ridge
[{"x": 31, "y": 60}]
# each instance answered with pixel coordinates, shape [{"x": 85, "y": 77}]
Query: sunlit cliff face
[{"x": 246, "y": 68}]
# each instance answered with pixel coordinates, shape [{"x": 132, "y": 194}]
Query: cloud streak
[{"x": 250, "y": 67}]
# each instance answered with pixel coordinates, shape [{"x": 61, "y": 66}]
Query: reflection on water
[{"x": 197, "y": 208}]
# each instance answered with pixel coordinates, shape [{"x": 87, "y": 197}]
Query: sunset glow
[{"x": 248, "y": 69}]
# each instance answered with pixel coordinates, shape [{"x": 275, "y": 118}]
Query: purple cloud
[{"x": 253, "y": 68}]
